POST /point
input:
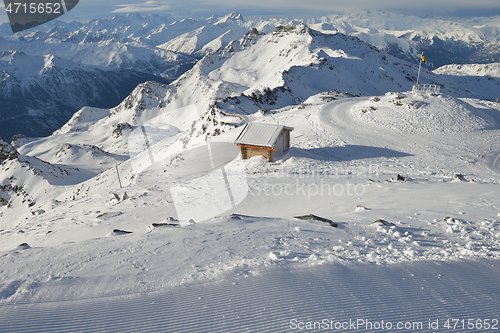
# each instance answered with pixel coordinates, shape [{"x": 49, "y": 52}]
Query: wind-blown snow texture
[{"x": 409, "y": 178}]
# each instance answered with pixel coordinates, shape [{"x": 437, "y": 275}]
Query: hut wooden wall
[{"x": 248, "y": 152}]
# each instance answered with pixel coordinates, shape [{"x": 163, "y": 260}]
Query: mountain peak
[
  {"x": 300, "y": 29},
  {"x": 233, "y": 16}
]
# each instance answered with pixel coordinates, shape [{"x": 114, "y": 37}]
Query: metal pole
[
  {"x": 118, "y": 174},
  {"x": 420, "y": 65}
]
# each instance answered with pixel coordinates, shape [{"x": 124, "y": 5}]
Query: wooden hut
[{"x": 263, "y": 139}]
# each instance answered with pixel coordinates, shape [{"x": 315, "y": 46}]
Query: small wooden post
[{"x": 118, "y": 174}]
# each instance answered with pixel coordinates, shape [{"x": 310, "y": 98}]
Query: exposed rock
[
  {"x": 18, "y": 140},
  {"x": 63, "y": 149},
  {"x": 449, "y": 220},
  {"x": 458, "y": 178},
  {"x": 368, "y": 109},
  {"x": 165, "y": 224},
  {"x": 121, "y": 232},
  {"x": 168, "y": 222},
  {"x": 316, "y": 218},
  {"x": 360, "y": 208},
  {"x": 254, "y": 31},
  {"x": 118, "y": 131},
  {"x": 7, "y": 151},
  {"x": 384, "y": 223}
]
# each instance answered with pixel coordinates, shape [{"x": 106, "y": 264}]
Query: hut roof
[{"x": 262, "y": 135}]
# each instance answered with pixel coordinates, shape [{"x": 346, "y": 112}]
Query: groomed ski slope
[
  {"x": 432, "y": 255},
  {"x": 411, "y": 297}
]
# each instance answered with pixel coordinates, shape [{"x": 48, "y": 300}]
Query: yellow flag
[{"x": 424, "y": 59}]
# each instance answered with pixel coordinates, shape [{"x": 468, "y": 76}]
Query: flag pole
[{"x": 420, "y": 65}]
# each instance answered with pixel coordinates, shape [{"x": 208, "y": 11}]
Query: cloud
[
  {"x": 148, "y": 6},
  {"x": 421, "y": 7},
  {"x": 93, "y": 9}
]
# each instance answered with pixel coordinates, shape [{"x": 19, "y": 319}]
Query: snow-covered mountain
[
  {"x": 167, "y": 46},
  {"x": 488, "y": 70},
  {"x": 258, "y": 73},
  {"x": 126, "y": 44},
  {"x": 448, "y": 40},
  {"x": 40, "y": 93},
  {"x": 100, "y": 48},
  {"x": 144, "y": 43},
  {"x": 215, "y": 35},
  {"x": 25, "y": 179},
  {"x": 285, "y": 67},
  {"x": 443, "y": 40},
  {"x": 145, "y": 39}
]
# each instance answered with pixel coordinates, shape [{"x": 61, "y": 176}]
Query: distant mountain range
[
  {"x": 99, "y": 63},
  {"x": 443, "y": 40},
  {"x": 258, "y": 73},
  {"x": 38, "y": 94}
]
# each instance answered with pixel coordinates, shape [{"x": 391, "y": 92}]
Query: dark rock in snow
[
  {"x": 384, "y": 223},
  {"x": 316, "y": 218},
  {"x": 166, "y": 224},
  {"x": 17, "y": 140},
  {"x": 109, "y": 215},
  {"x": 449, "y": 220},
  {"x": 399, "y": 177},
  {"x": 458, "y": 177},
  {"x": 7, "y": 151},
  {"x": 24, "y": 246},
  {"x": 121, "y": 232},
  {"x": 118, "y": 131}
]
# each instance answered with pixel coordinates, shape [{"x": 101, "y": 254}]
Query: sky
[{"x": 90, "y": 9}]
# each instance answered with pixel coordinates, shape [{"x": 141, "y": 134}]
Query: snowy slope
[
  {"x": 423, "y": 297},
  {"x": 489, "y": 70},
  {"x": 26, "y": 180}
]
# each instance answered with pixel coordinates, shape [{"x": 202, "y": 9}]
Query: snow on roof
[{"x": 262, "y": 135}]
